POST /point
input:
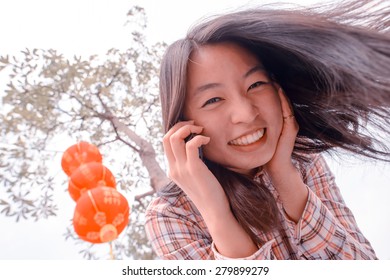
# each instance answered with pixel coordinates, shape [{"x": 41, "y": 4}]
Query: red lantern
[
  {"x": 101, "y": 214},
  {"x": 89, "y": 176},
  {"x": 78, "y": 154}
]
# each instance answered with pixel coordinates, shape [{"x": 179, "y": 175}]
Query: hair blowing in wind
[{"x": 333, "y": 63}]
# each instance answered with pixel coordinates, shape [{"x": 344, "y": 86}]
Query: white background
[{"x": 89, "y": 27}]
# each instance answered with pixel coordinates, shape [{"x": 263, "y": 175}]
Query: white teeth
[{"x": 248, "y": 139}]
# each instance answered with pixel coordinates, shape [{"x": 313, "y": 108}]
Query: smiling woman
[
  {"x": 235, "y": 103},
  {"x": 267, "y": 91},
  {"x": 97, "y": 26}
]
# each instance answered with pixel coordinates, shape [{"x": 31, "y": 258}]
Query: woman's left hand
[
  {"x": 284, "y": 175},
  {"x": 281, "y": 160}
]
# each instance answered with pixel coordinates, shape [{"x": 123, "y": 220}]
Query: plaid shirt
[{"x": 326, "y": 230}]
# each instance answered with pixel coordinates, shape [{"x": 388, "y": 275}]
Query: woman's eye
[
  {"x": 212, "y": 100},
  {"x": 257, "y": 84}
]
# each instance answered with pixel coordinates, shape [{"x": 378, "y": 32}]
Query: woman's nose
[{"x": 243, "y": 110}]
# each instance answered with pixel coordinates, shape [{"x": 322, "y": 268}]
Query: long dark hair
[{"x": 334, "y": 66}]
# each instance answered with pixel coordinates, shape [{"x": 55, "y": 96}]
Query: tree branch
[
  {"x": 145, "y": 149},
  {"x": 123, "y": 140},
  {"x": 140, "y": 196}
]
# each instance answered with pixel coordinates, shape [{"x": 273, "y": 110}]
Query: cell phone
[{"x": 200, "y": 150}]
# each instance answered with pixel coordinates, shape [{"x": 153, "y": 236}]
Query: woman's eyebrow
[
  {"x": 202, "y": 88},
  {"x": 206, "y": 87},
  {"x": 253, "y": 70}
]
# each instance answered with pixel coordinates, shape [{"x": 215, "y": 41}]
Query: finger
[
  {"x": 192, "y": 147},
  {"x": 177, "y": 126},
  {"x": 287, "y": 110},
  {"x": 178, "y": 138},
  {"x": 167, "y": 136},
  {"x": 177, "y": 143},
  {"x": 289, "y": 120},
  {"x": 290, "y": 125}
]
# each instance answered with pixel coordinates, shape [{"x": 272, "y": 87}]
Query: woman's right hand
[{"x": 188, "y": 171}]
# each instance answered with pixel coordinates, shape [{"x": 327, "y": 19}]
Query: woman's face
[{"x": 231, "y": 96}]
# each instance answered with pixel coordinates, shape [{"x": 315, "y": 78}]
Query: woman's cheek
[{"x": 214, "y": 148}]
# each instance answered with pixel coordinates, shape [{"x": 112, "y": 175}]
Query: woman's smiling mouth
[{"x": 248, "y": 139}]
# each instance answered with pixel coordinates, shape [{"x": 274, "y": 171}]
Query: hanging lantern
[
  {"x": 79, "y": 154},
  {"x": 101, "y": 214},
  {"x": 89, "y": 176}
]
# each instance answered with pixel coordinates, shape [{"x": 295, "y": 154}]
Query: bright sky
[{"x": 94, "y": 26}]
